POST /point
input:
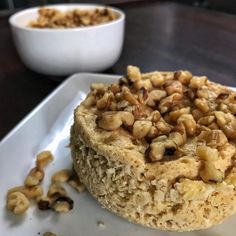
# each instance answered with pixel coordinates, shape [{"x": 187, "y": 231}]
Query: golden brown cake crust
[{"x": 159, "y": 149}]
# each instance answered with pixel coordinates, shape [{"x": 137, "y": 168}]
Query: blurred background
[{"x": 228, "y": 6}]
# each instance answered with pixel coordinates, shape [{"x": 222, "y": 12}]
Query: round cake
[{"x": 159, "y": 149}]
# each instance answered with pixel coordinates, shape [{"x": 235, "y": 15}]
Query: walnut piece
[
  {"x": 157, "y": 79},
  {"x": 174, "y": 115},
  {"x": 155, "y": 96},
  {"x": 206, "y": 153},
  {"x": 202, "y": 104},
  {"x": 43, "y": 159},
  {"x": 76, "y": 184},
  {"x": 189, "y": 123},
  {"x": 105, "y": 101},
  {"x": 161, "y": 146},
  {"x": 173, "y": 86},
  {"x": 29, "y": 192},
  {"x": 129, "y": 97},
  {"x": 113, "y": 120},
  {"x": 141, "y": 128},
  {"x": 56, "y": 190},
  {"x": 183, "y": 76},
  {"x": 54, "y": 18},
  {"x": 63, "y": 204},
  {"x": 147, "y": 84},
  {"x": 167, "y": 103},
  {"x": 35, "y": 177},
  {"x": 17, "y": 202},
  {"x": 61, "y": 176},
  {"x": 133, "y": 73},
  {"x": 198, "y": 81},
  {"x": 210, "y": 173}
]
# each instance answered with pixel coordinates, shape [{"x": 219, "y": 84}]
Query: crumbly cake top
[{"x": 165, "y": 118}]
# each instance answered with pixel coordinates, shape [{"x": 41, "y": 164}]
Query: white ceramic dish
[
  {"x": 47, "y": 127},
  {"x": 67, "y": 51}
]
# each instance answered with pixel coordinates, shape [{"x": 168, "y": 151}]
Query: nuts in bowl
[
  {"x": 53, "y": 18},
  {"x": 68, "y": 38},
  {"x": 159, "y": 149}
]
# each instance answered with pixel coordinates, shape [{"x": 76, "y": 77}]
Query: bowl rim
[{"x": 12, "y": 19}]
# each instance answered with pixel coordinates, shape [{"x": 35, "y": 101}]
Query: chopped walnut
[
  {"x": 217, "y": 138},
  {"x": 189, "y": 123},
  {"x": 29, "y": 192},
  {"x": 98, "y": 87},
  {"x": 105, "y": 101},
  {"x": 178, "y": 138},
  {"x": 206, "y": 153},
  {"x": 54, "y": 18},
  {"x": 161, "y": 146},
  {"x": 129, "y": 97},
  {"x": 61, "y": 176},
  {"x": 43, "y": 159},
  {"x": 206, "y": 120},
  {"x": 183, "y": 76},
  {"x": 142, "y": 95},
  {"x": 56, "y": 190},
  {"x": 133, "y": 73},
  {"x": 231, "y": 177},
  {"x": 173, "y": 86},
  {"x": 213, "y": 138},
  {"x": 222, "y": 96},
  {"x": 202, "y": 93},
  {"x": 163, "y": 127},
  {"x": 174, "y": 115},
  {"x": 153, "y": 133},
  {"x": 213, "y": 126},
  {"x": 202, "y": 104},
  {"x": 114, "y": 88},
  {"x": 17, "y": 202},
  {"x": 167, "y": 103},
  {"x": 157, "y": 79},
  {"x": 90, "y": 101},
  {"x": 44, "y": 203},
  {"x": 62, "y": 204},
  {"x": 155, "y": 96},
  {"x": 198, "y": 82},
  {"x": 227, "y": 122},
  {"x": 156, "y": 116},
  {"x": 210, "y": 173},
  {"x": 34, "y": 177},
  {"x": 141, "y": 128},
  {"x": 76, "y": 184},
  {"x": 157, "y": 150},
  {"x": 232, "y": 108},
  {"x": 113, "y": 120},
  {"x": 147, "y": 84},
  {"x": 122, "y": 105},
  {"x": 197, "y": 114}
]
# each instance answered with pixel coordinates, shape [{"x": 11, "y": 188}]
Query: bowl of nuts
[{"x": 68, "y": 38}]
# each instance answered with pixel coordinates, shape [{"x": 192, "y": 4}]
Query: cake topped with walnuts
[{"x": 159, "y": 148}]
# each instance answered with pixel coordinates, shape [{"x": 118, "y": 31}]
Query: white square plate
[{"x": 47, "y": 127}]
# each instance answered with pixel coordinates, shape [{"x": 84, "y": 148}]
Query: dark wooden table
[{"x": 158, "y": 36}]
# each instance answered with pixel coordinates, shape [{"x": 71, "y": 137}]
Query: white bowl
[{"x": 67, "y": 51}]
